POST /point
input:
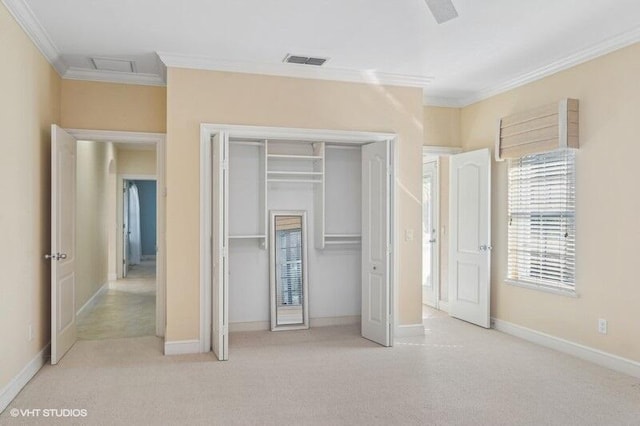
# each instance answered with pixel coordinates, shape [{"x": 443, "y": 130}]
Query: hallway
[{"x": 127, "y": 308}]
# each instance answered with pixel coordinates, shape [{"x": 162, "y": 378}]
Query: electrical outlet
[
  {"x": 602, "y": 326},
  {"x": 30, "y": 332}
]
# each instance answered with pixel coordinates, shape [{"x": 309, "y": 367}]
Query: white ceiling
[{"x": 492, "y": 46}]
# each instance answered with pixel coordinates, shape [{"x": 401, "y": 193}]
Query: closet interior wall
[{"x": 325, "y": 181}]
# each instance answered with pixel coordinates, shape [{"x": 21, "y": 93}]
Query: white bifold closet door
[
  {"x": 376, "y": 215},
  {"x": 220, "y": 240}
]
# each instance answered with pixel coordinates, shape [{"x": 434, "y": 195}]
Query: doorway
[
  {"x": 430, "y": 226},
  {"x": 80, "y": 277}
]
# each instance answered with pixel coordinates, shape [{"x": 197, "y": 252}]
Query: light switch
[{"x": 408, "y": 234}]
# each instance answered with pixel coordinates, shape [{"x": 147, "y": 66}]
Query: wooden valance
[{"x": 542, "y": 129}]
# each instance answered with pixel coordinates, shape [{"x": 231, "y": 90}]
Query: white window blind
[
  {"x": 542, "y": 225},
  {"x": 290, "y": 267}
]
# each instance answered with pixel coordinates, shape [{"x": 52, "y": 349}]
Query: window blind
[
  {"x": 290, "y": 265},
  {"x": 541, "y": 212}
]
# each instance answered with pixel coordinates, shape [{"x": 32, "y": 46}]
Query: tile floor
[{"x": 126, "y": 309}]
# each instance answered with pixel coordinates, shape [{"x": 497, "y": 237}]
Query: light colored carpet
[{"x": 457, "y": 374}]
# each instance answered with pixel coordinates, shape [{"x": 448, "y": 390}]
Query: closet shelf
[
  {"x": 238, "y": 237},
  {"x": 344, "y": 242},
  {"x": 342, "y": 236},
  {"x": 289, "y": 172},
  {"x": 295, "y": 157},
  {"x": 294, "y": 180}
]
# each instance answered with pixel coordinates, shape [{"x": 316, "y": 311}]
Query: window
[{"x": 542, "y": 224}]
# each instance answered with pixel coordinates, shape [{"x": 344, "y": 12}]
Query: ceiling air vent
[
  {"x": 110, "y": 64},
  {"x": 304, "y": 60}
]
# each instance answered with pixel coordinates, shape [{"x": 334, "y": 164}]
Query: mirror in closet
[{"x": 288, "y": 264}]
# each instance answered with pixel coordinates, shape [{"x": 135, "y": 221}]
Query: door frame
[
  {"x": 435, "y": 254},
  {"x": 120, "y": 248},
  {"x": 159, "y": 140},
  {"x": 207, "y": 131}
]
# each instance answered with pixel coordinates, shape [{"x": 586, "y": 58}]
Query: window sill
[{"x": 545, "y": 289}]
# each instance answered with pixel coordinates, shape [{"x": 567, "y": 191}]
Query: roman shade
[{"x": 542, "y": 129}]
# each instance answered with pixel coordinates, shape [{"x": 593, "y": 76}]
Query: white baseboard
[
  {"x": 314, "y": 322},
  {"x": 93, "y": 299},
  {"x": 443, "y": 306},
  {"x": 587, "y": 353},
  {"x": 182, "y": 347},
  {"x": 410, "y": 330},
  {"x": 112, "y": 277},
  {"x": 14, "y": 387}
]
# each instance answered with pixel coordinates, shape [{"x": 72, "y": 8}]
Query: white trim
[
  {"x": 443, "y": 306},
  {"x": 262, "y": 132},
  {"x": 13, "y": 388},
  {"x": 145, "y": 138},
  {"x": 27, "y": 20},
  {"x": 568, "y": 61},
  {"x": 182, "y": 347},
  {"x": 428, "y": 158},
  {"x": 159, "y": 140},
  {"x": 93, "y": 299},
  {"x": 440, "y": 150},
  {"x": 544, "y": 288},
  {"x": 112, "y": 277},
  {"x": 86, "y": 74},
  {"x": 605, "y": 359},
  {"x": 314, "y": 322},
  {"x": 410, "y": 330},
  {"x": 177, "y": 60}
]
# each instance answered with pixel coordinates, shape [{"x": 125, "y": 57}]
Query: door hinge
[
  {"x": 225, "y": 330},
  {"x": 389, "y": 249},
  {"x": 225, "y": 251},
  {"x": 224, "y": 164}
]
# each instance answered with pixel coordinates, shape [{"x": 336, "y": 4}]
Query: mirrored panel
[{"x": 288, "y": 270}]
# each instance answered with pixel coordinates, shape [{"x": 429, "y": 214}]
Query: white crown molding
[
  {"x": 25, "y": 17},
  {"x": 74, "y": 73},
  {"x": 599, "y": 49},
  {"x": 293, "y": 70}
]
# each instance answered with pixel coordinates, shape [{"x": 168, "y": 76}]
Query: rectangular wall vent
[
  {"x": 109, "y": 64},
  {"x": 304, "y": 60}
]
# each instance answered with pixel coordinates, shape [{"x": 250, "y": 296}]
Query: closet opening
[{"x": 341, "y": 187}]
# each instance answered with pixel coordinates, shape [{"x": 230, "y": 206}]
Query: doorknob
[
  {"x": 485, "y": 248},
  {"x": 432, "y": 240},
  {"x": 55, "y": 256}
]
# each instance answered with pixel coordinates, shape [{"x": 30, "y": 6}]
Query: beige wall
[
  {"x": 92, "y": 214},
  {"x": 608, "y": 228},
  {"x": 195, "y": 97},
  {"x": 136, "y": 161},
  {"x": 441, "y": 126},
  {"x": 109, "y": 106},
  {"x": 29, "y": 104}
]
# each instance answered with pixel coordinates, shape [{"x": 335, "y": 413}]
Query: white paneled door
[
  {"x": 220, "y": 239},
  {"x": 376, "y": 295},
  {"x": 63, "y": 242},
  {"x": 470, "y": 237}
]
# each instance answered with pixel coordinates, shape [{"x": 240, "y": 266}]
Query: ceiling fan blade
[{"x": 442, "y": 10}]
